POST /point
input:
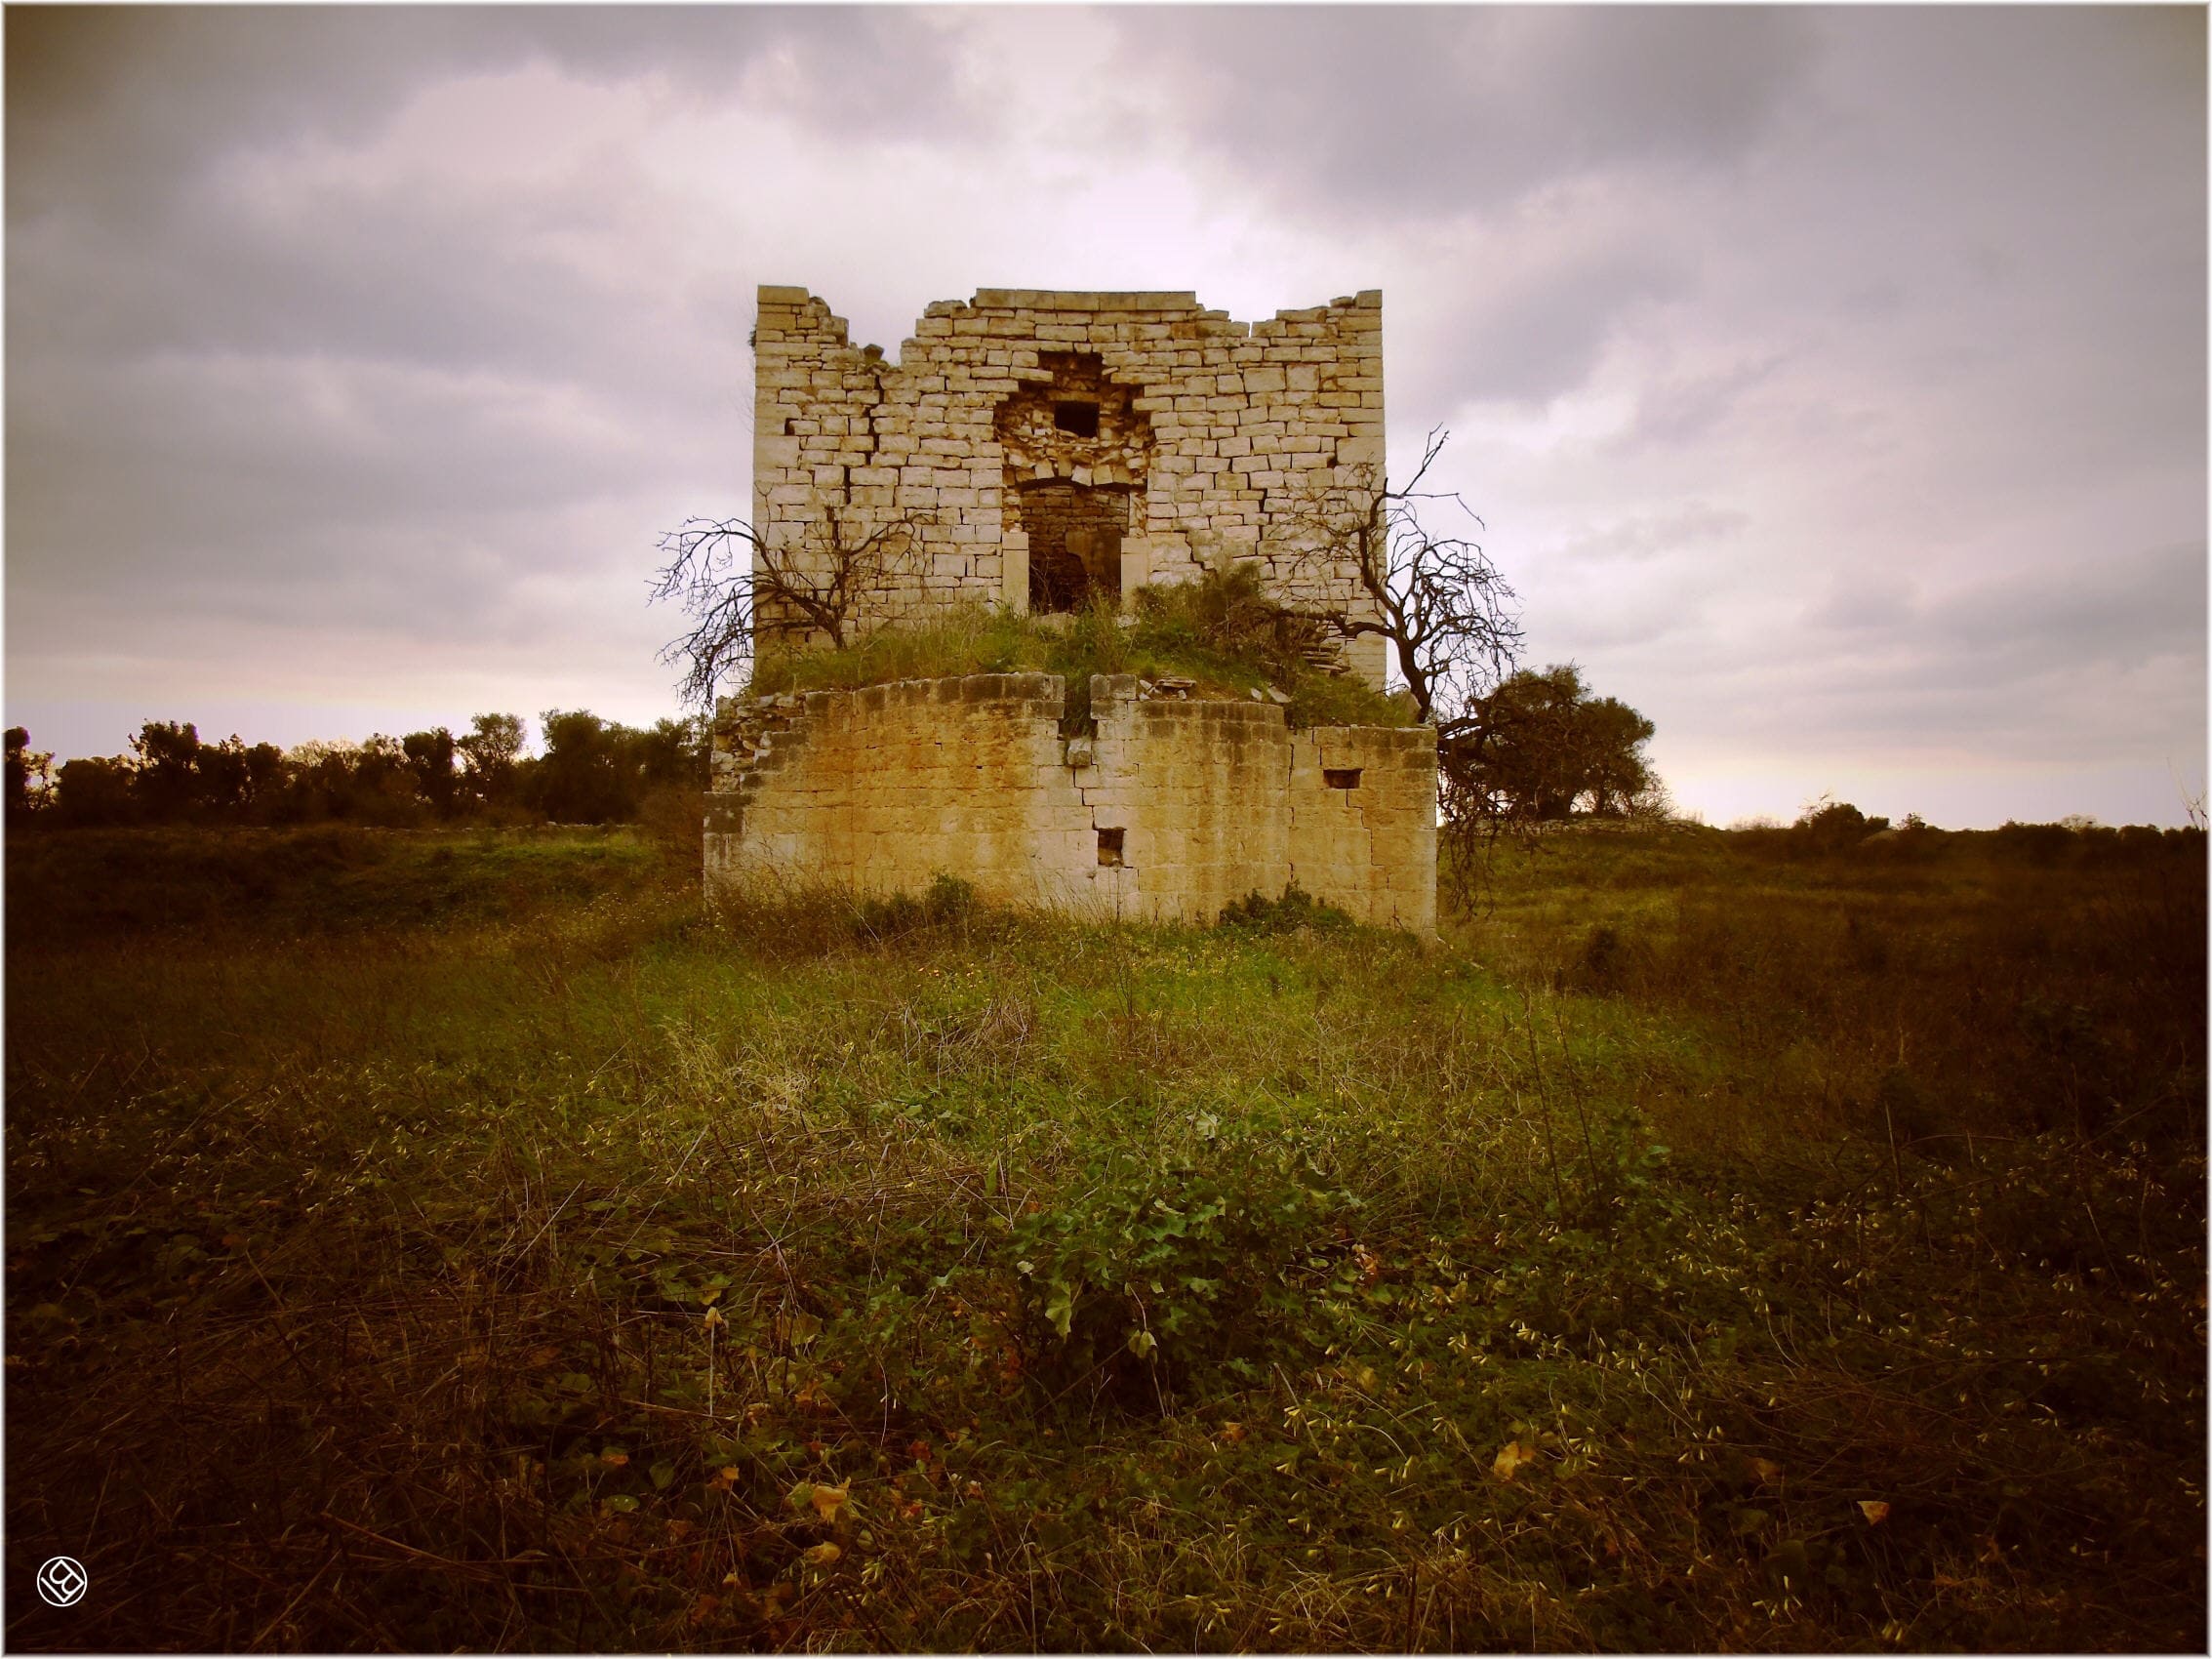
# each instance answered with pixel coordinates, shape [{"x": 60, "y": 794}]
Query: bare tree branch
[
  {"x": 1442, "y": 609},
  {"x": 1435, "y": 599},
  {"x": 742, "y": 590}
]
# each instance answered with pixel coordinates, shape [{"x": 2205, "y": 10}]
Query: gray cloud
[
  {"x": 113, "y": 103},
  {"x": 1374, "y": 111},
  {"x": 1537, "y": 332},
  {"x": 1694, "y": 525},
  {"x": 1684, "y": 409},
  {"x": 2106, "y": 609},
  {"x": 363, "y": 399},
  {"x": 1826, "y": 378},
  {"x": 1871, "y": 664}
]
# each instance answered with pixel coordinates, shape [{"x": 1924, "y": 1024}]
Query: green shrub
[
  {"x": 964, "y": 639},
  {"x": 1608, "y": 964},
  {"x": 1297, "y": 909},
  {"x": 1172, "y": 1257},
  {"x": 947, "y": 907}
]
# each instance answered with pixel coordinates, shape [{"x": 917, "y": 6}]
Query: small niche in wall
[
  {"x": 1341, "y": 777},
  {"x": 1109, "y": 848},
  {"x": 1080, "y": 418}
]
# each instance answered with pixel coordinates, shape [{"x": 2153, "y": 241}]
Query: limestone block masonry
[
  {"x": 1153, "y": 808},
  {"x": 1048, "y": 445}
]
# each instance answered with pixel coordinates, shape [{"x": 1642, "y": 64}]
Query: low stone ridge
[{"x": 1063, "y": 299}]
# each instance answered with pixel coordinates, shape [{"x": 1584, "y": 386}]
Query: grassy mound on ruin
[{"x": 1219, "y": 633}]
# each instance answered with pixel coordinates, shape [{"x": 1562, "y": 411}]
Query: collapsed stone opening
[
  {"x": 1078, "y": 452},
  {"x": 1341, "y": 777},
  {"x": 1075, "y": 533}
]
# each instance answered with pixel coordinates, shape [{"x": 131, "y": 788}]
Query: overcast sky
[{"x": 1832, "y": 383}]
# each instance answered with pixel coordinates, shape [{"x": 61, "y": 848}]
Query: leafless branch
[
  {"x": 1437, "y": 601},
  {"x": 742, "y": 590},
  {"x": 1441, "y": 607}
]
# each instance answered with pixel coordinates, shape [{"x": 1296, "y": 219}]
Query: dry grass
[{"x": 1172, "y": 631}]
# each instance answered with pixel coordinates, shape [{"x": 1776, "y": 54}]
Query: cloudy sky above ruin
[{"x": 1830, "y": 382}]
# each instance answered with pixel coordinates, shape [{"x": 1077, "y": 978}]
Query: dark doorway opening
[{"x": 1075, "y": 536}]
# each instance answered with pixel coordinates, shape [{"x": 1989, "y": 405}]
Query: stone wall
[
  {"x": 1155, "y": 808},
  {"x": 1209, "y": 431}
]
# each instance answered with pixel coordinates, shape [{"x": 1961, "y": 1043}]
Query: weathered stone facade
[
  {"x": 1040, "y": 449},
  {"x": 1047, "y": 445},
  {"x": 1155, "y": 808}
]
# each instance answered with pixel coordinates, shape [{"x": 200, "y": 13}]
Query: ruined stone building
[
  {"x": 1042, "y": 447},
  {"x": 1046, "y": 445}
]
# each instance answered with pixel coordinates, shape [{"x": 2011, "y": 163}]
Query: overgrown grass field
[{"x": 429, "y": 1241}]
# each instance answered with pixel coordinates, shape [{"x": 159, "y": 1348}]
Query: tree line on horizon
[{"x": 592, "y": 771}]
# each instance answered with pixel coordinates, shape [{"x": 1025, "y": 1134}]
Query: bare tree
[
  {"x": 1436, "y": 600},
  {"x": 1440, "y": 607},
  {"x": 741, "y": 590}
]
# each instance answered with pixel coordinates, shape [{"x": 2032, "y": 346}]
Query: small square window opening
[
  {"x": 1081, "y": 418},
  {"x": 1109, "y": 848},
  {"x": 1341, "y": 777}
]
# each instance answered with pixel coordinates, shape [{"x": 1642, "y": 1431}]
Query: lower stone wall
[
  {"x": 1197, "y": 789},
  {"x": 1362, "y": 804},
  {"x": 1158, "y": 808}
]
